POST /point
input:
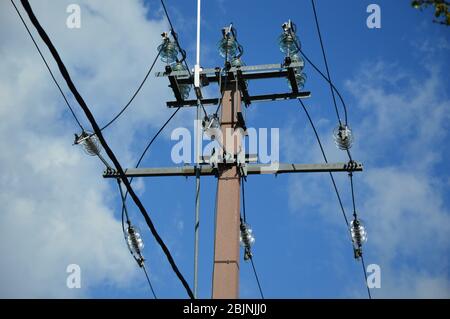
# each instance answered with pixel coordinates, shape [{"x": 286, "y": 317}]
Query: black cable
[
  {"x": 326, "y": 79},
  {"x": 175, "y": 36},
  {"x": 223, "y": 88},
  {"x": 155, "y": 136},
  {"x": 257, "y": 279},
  {"x": 243, "y": 199},
  {"x": 103, "y": 142},
  {"x": 326, "y": 62},
  {"x": 334, "y": 183},
  {"x": 245, "y": 221},
  {"x": 125, "y": 235},
  {"x": 365, "y": 276},
  {"x": 149, "y": 282},
  {"x": 134, "y": 95},
  {"x": 145, "y": 151},
  {"x": 326, "y": 161},
  {"x": 48, "y": 67},
  {"x": 350, "y": 174}
]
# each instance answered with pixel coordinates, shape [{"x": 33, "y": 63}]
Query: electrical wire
[
  {"x": 134, "y": 95},
  {"x": 251, "y": 257},
  {"x": 145, "y": 151},
  {"x": 148, "y": 280},
  {"x": 329, "y": 82},
  {"x": 103, "y": 142},
  {"x": 326, "y": 161},
  {"x": 48, "y": 67},
  {"x": 334, "y": 185},
  {"x": 326, "y": 62},
  {"x": 328, "y": 78},
  {"x": 350, "y": 174},
  {"x": 243, "y": 198},
  {"x": 223, "y": 88},
  {"x": 125, "y": 236},
  {"x": 323, "y": 76},
  {"x": 257, "y": 279},
  {"x": 365, "y": 275}
]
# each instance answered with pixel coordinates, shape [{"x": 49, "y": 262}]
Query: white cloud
[{"x": 55, "y": 207}]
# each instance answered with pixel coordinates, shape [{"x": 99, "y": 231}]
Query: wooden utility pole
[{"x": 226, "y": 244}]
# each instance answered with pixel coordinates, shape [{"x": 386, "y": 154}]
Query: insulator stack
[
  {"x": 168, "y": 49},
  {"x": 343, "y": 137},
  {"x": 135, "y": 243},
  {"x": 247, "y": 240},
  {"x": 90, "y": 143},
  {"x": 359, "y": 236}
]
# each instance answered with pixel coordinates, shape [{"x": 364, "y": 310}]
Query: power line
[
  {"x": 134, "y": 95},
  {"x": 145, "y": 151},
  {"x": 334, "y": 185},
  {"x": 321, "y": 73},
  {"x": 365, "y": 275},
  {"x": 326, "y": 63},
  {"x": 251, "y": 256},
  {"x": 103, "y": 142},
  {"x": 155, "y": 136},
  {"x": 326, "y": 161},
  {"x": 149, "y": 282},
  {"x": 141, "y": 263},
  {"x": 243, "y": 198},
  {"x": 48, "y": 67},
  {"x": 333, "y": 89},
  {"x": 257, "y": 279}
]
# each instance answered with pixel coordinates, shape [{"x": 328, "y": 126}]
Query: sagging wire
[
  {"x": 357, "y": 234},
  {"x": 134, "y": 240},
  {"x": 65, "y": 74},
  {"x": 48, "y": 68},
  {"x": 247, "y": 238}
]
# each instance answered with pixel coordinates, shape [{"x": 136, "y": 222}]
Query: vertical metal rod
[
  {"x": 198, "y": 32},
  {"x": 197, "y": 150},
  {"x": 197, "y": 221},
  {"x": 197, "y": 60},
  {"x": 197, "y": 197}
]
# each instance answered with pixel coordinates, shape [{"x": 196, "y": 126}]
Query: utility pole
[
  {"x": 230, "y": 164},
  {"x": 226, "y": 244}
]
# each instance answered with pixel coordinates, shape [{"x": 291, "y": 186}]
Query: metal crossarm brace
[{"x": 252, "y": 169}]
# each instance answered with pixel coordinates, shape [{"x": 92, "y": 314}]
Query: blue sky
[{"x": 395, "y": 81}]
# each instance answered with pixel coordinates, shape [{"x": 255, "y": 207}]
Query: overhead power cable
[
  {"x": 124, "y": 212},
  {"x": 103, "y": 142},
  {"x": 134, "y": 95},
  {"x": 326, "y": 64},
  {"x": 48, "y": 67},
  {"x": 251, "y": 256},
  {"x": 321, "y": 74},
  {"x": 340, "y": 123},
  {"x": 140, "y": 262},
  {"x": 326, "y": 161},
  {"x": 334, "y": 184}
]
